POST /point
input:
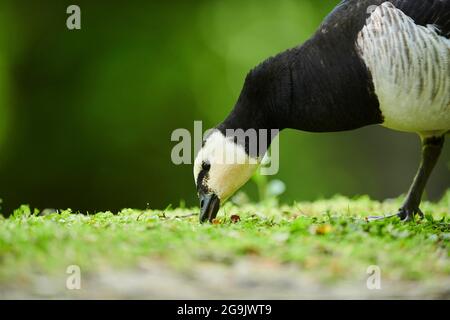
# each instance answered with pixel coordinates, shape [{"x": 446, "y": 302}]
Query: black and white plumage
[{"x": 370, "y": 62}]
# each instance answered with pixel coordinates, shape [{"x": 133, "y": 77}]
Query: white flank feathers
[{"x": 410, "y": 67}]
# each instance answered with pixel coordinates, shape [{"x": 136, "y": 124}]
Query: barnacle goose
[{"x": 370, "y": 62}]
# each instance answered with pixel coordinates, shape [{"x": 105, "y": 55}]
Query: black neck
[
  {"x": 265, "y": 98},
  {"x": 322, "y": 86},
  {"x": 264, "y": 102}
]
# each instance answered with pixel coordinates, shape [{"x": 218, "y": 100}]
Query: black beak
[{"x": 209, "y": 206}]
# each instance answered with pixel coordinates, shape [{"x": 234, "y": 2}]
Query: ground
[{"x": 323, "y": 249}]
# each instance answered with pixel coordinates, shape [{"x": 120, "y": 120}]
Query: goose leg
[{"x": 431, "y": 149}]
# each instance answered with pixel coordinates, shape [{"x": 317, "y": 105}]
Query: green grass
[{"x": 328, "y": 239}]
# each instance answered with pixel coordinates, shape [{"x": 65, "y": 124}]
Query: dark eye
[{"x": 206, "y": 166}]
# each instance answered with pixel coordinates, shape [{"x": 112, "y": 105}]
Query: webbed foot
[{"x": 405, "y": 214}]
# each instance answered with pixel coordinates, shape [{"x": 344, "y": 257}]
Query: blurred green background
[{"x": 86, "y": 115}]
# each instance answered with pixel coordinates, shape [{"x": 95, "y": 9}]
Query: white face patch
[
  {"x": 410, "y": 67},
  {"x": 230, "y": 167}
]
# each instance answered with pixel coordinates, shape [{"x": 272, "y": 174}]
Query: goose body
[
  {"x": 370, "y": 62},
  {"x": 410, "y": 68}
]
